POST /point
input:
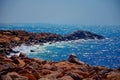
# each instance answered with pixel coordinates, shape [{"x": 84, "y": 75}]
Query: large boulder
[{"x": 74, "y": 59}]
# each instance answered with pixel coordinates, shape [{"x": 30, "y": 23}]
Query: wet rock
[
  {"x": 32, "y": 50},
  {"x": 15, "y": 51}
]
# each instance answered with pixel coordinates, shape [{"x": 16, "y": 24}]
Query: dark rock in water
[
  {"x": 15, "y": 51},
  {"x": 32, "y": 50},
  {"x": 83, "y": 35}
]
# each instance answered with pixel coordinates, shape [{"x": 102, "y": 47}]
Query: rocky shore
[
  {"x": 24, "y": 68},
  {"x": 10, "y": 39}
]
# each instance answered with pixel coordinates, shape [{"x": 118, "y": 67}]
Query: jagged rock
[
  {"x": 113, "y": 76},
  {"x": 83, "y": 74},
  {"x": 25, "y": 71},
  {"x": 53, "y": 75},
  {"x": 13, "y": 76},
  {"x": 47, "y": 66},
  {"x": 45, "y": 71},
  {"x": 3, "y": 56},
  {"x": 23, "y": 55},
  {"x": 29, "y": 76},
  {"x": 37, "y": 75},
  {"x": 19, "y": 62},
  {"x": 14, "y": 57},
  {"x": 8, "y": 65},
  {"x": 75, "y": 76},
  {"x": 73, "y": 58},
  {"x": 66, "y": 78},
  {"x": 44, "y": 79},
  {"x": 34, "y": 65}
]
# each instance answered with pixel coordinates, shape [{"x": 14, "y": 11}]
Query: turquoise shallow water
[{"x": 95, "y": 52}]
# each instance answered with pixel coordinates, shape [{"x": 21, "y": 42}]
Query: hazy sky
[{"x": 90, "y": 12}]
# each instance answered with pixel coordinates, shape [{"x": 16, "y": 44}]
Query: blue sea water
[{"x": 95, "y": 52}]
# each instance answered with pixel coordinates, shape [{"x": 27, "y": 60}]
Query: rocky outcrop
[
  {"x": 24, "y": 68},
  {"x": 10, "y": 39},
  {"x": 83, "y": 35}
]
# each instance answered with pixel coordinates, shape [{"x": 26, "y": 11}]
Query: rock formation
[
  {"x": 83, "y": 35},
  {"x": 23, "y": 68},
  {"x": 10, "y": 39}
]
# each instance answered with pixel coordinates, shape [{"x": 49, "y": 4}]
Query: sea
[{"x": 104, "y": 52}]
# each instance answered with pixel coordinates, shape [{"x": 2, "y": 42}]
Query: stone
[
  {"x": 34, "y": 65},
  {"x": 36, "y": 75},
  {"x": 13, "y": 76},
  {"x": 43, "y": 79},
  {"x": 75, "y": 76},
  {"x": 66, "y": 78},
  {"x": 45, "y": 71},
  {"x": 29, "y": 76},
  {"x": 23, "y": 55},
  {"x": 20, "y": 62},
  {"x": 8, "y": 65},
  {"x": 47, "y": 66},
  {"x": 14, "y": 57},
  {"x": 24, "y": 71},
  {"x": 3, "y": 56},
  {"x": 83, "y": 74},
  {"x": 73, "y": 58},
  {"x": 113, "y": 76}
]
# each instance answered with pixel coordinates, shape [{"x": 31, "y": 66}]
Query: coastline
[{"x": 26, "y": 68}]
